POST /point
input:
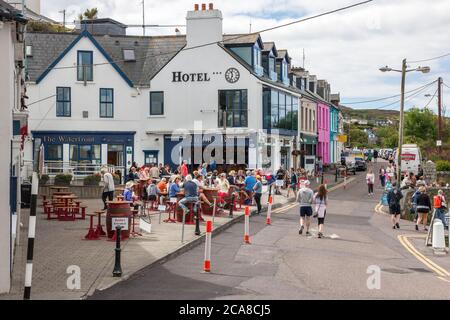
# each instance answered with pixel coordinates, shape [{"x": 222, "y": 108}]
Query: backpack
[{"x": 437, "y": 201}]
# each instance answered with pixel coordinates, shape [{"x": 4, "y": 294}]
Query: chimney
[{"x": 203, "y": 26}]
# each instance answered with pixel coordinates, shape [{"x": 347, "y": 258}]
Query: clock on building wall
[{"x": 232, "y": 75}]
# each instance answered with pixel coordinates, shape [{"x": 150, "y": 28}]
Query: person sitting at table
[
  {"x": 232, "y": 178},
  {"x": 198, "y": 180},
  {"x": 190, "y": 194},
  {"x": 162, "y": 190},
  {"x": 174, "y": 187},
  {"x": 144, "y": 173},
  {"x": 129, "y": 195},
  {"x": 132, "y": 175},
  {"x": 223, "y": 186},
  {"x": 152, "y": 191}
]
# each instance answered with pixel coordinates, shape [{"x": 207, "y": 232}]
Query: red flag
[{"x": 23, "y": 133}]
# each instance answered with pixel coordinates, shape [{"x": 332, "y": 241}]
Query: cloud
[{"x": 346, "y": 48}]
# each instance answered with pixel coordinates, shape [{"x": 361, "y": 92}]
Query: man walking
[
  {"x": 305, "y": 197},
  {"x": 393, "y": 200},
  {"x": 108, "y": 187}
]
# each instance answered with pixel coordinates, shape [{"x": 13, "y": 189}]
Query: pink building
[{"x": 323, "y": 130}]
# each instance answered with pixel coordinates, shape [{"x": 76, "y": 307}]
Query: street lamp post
[{"x": 403, "y": 71}]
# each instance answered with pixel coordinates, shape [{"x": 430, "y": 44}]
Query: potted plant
[
  {"x": 92, "y": 180},
  {"x": 63, "y": 179},
  {"x": 44, "y": 179}
]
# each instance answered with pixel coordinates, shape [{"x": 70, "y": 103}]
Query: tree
[
  {"x": 420, "y": 126},
  {"x": 387, "y": 137},
  {"x": 358, "y": 138},
  {"x": 89, "y": 14}
]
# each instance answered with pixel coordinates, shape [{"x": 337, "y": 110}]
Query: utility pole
[
  {"x": 64, "y": 18},
  {"x": 400, "y": 129},
  {"x": 440, "y": 114},
  {"x": 143, "y": 18}
]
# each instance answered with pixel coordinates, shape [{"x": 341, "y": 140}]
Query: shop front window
[
  {"x": 234, "y": 102},
  {"x": 85, "y": 158},
  {"x": 54, "y": 157}
]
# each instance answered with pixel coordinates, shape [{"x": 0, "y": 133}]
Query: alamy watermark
[
  {"x": 374, "y": 280},
  {"x": 73, "y": 282}
]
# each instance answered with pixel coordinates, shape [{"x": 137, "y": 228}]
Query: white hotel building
[{"x": 115, "y": 99}]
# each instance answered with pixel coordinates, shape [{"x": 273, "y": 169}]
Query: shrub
[
  {"x": 63, "y": 179},
  {"x": 44, "y": 179},
  {"x": 92, "y": 180},
  {"x": 442, "y": 165}
]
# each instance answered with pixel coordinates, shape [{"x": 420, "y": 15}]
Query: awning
[{"x": 309, "y": 139}]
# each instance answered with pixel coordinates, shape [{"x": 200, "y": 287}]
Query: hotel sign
[{"x": 178, "y": 76}]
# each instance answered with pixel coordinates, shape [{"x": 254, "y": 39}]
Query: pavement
[
  {"x": 59, "y": 248},
  {"x": 361, "y": 257}
]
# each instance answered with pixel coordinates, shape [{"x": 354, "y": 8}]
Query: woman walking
[
  {"x": 370, "y": 179},
  {"x": 423, "y": 208},
  {"x": 257, "y": 188},
  {"x": 320, "y": 199},
  {"x": 382, "y": 176}
]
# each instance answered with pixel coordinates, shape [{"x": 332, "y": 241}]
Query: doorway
[{"x": 115, "y": 155}]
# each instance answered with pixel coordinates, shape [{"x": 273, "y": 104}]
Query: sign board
[
  {"x": 310, "y": 164},
  {"x": 429, "y": 172},
  {"x": 119, "y": 222},
  {"x": 342, "y": 138},
  {"x": 408, "y": 157},
  {"x": 439, "y": 143},
  {"x": 161, "y": 207}
]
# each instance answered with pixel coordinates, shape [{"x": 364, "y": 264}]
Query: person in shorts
[
  {"x": 393, "y": 199},
  {"x": 305, "y": 198}
]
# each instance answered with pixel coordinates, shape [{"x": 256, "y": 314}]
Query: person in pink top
[{"x": 184, "y": 169}]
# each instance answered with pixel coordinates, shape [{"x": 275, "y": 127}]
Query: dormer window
[
  {"x": 129, "y": 55},
  {"x": 257, "y": 60}
]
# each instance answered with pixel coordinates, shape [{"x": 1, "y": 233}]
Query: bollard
[
  {"x": 197, "y": 221},
  {"x": 207, "y": 262},
  {"x": 214, "y": 211},
  {"x": 269, "y": 210},
  {"x": 117, "y": 272},
  {"x": 231, "y": 206},
  {"x": 438, "y": 235},
  {"x": 247, "y": 226},
  {"x": 182, "y": 226}
]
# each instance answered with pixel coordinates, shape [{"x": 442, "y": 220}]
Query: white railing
[{"x": 78, "y": 170}]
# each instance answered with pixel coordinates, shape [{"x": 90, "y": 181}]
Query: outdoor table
[
  {"x": 58, "y": 188},
  {"x": 61, "y": 193},
  {"x": 66, "y": 198},
  {"x": 210, "y": 194},
  {"x": 99, "y": 230},
  {"x": 119, "y": 209}
]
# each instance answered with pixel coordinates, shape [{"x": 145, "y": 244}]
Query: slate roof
[
  {"x": 249, "y": 38},
  {"x": 152, "y": 53}
]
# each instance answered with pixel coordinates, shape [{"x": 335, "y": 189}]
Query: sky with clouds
[{"x": 346, "y": 48}]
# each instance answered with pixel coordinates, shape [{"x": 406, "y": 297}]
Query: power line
[
  {"x": 435, "y": 58},
  {"x": 390, "y": 97},
  {"x": 233, "y": 38},
  {"x": 34, "y": 102},
  {"x": 408, "y": 98},
  {"x": 432, "y": 98}
]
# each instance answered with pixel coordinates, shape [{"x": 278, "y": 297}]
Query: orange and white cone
[
  {"x": 247, "y": 226},
  {"x": 207, "y": 262},
  {"x": 269, "y": 210}
]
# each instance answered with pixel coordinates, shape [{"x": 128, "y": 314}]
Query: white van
[{"x": 411, "y": 158}]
